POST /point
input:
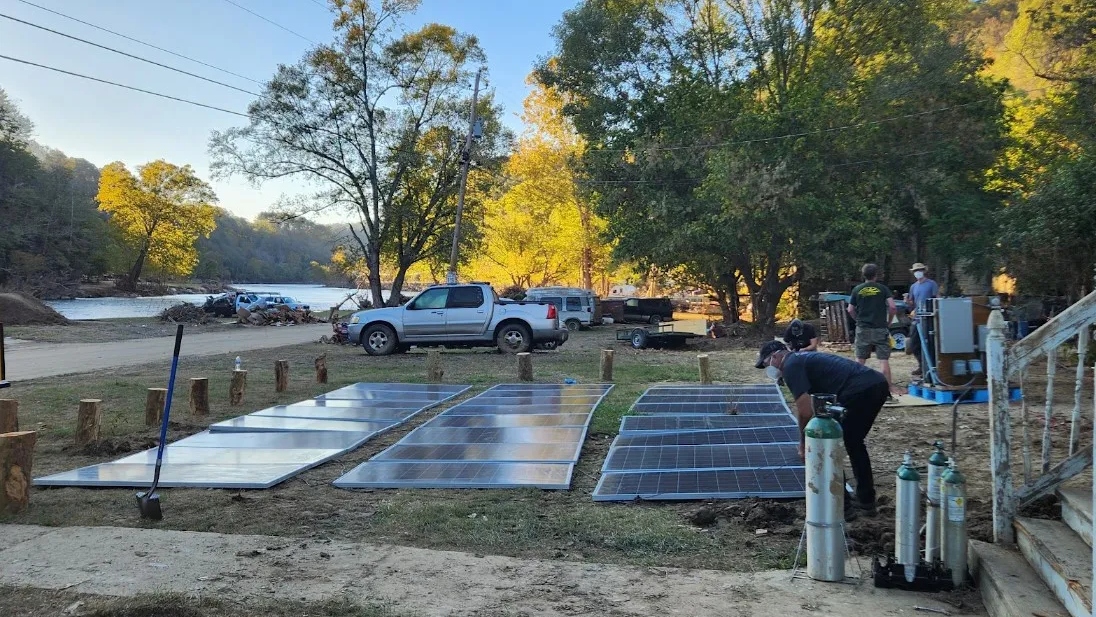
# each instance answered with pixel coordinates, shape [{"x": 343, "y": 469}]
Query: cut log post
[
  {"x": 434, "y": 370},
  {"x": 1000, "y": 431},
  {"x": 88, "y": 421},
  {"x": 154, "y": 406},
  {"x": 16, "y": 461},
  {"x": 9, "y": 415},
  {"x": 237, "y": 388},
  {"x": 525, "y": 366},
  {"x": 606, "y": 365},
  {"x": 321, "y": 368},
  {"x": 705, "y": 369},
  {"x": 281, "y": 375},
  {"x": 199, "y": 396}
]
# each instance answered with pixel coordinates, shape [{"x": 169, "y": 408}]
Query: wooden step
[
  {"x": 1061, "y": 558},
  {"x": 1009, "y": 587},
  {"x": 1077, "y": 511}
]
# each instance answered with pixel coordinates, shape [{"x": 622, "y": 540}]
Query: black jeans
[{"x": 861, "y": 409}]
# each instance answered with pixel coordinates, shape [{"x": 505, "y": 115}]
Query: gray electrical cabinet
[{"x": 954, "y": 325}]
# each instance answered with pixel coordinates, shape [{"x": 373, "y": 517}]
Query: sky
[{"x": 103, "y": 123}]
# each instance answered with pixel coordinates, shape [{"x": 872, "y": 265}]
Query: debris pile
[
  {"x": 185, "y": 313},
  {"x": 277, "y": 315}
]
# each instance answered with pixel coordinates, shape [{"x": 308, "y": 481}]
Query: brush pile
[
  {"x": 277, "y": 315},
  {"x": 185, "y": 313}
]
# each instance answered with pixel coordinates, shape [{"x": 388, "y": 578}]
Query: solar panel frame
[
  {"x": 174, "y": 476},
  {"x": 546, "y": 476},
  {"x": 779, "y": 483}
]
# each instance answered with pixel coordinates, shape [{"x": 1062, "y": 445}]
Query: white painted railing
[{"x": 1004, "y": 365}]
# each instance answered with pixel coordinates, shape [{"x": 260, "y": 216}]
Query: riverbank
[{"x": 109, "y": 289}]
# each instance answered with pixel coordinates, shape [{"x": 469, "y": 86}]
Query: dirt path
[
  {"x": 124, "y": 562},
  {"x": 33, "y": 360}
]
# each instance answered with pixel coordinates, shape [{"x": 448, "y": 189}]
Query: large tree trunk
[
  {"x": 587, "y": 250},
  {"x": 397, "y": 285},
  {"x": 130, "y": 282},
  {"x": 376, "y": 291}
]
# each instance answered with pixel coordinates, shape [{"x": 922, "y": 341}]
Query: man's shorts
[{"x": 873, "y": 339}]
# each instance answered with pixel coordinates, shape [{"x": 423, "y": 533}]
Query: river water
[{"x": 320, "y": 299}]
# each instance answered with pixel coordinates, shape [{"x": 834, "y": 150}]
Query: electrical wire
[
  {"x": 134, "y": 88},
  {"x": 128, "y": 55},
  {"x": 140, "y": 42},
  {"x": 271, "y": 22}
]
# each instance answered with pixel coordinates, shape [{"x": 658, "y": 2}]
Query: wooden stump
[
  {"x": 154, "y": 406},
  {"x": 9, "y": 415},
  {"x": 199, "y": 396},
  {"x": 434, "y": 371},
  {"x": 321, "y": 368},
  {"x": 237, "y": 388},
  {"x": 16, "y": 460},
  {"x": 705, "y": 369},
  {"x": 88, "y": 420},
  {"x": 606, "y": 366},
  {"x": 281, "y": 375},
  {"x": 525, "y": 366}
]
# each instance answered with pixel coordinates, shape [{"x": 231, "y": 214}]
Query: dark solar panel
[
  {"x": 458, "y": 475},
  {"x": 656, "y": 458},
  {"x": 729, "y": 408},
  {"x": 512, "y": 420},
  {"x": 674, "y": 424},
  {"x": 784, "y": 434},
  {"x": 497, "y": 452},
  {"x": 707, "y": 484}
]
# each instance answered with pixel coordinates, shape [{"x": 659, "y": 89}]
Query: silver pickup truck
[{"x": 469, "y": 315}]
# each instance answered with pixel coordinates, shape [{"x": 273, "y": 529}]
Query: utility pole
[{"x": 465, "y": 162}]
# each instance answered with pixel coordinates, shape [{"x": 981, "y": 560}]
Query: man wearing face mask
[
  {"x": 921, "y": 293},
  {"x": 860, "y": 390},
  {"x": 801, "y": 336}
]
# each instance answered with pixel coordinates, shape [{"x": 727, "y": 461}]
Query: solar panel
[
  {"x": 676, "y": 424},
  {"x": 337, "y": 413},
  {"x": 656, "y": 458},
  {"x": 474, "y": 407},
  {"x": 406, "y": 398},
  {"x": 728, "y": 408},
  {"x": 458, "y": 475},
  {"x": 360, "y": 403},
  {"x": 512, "y": 420},
  {"x": 728, "y": 389},
  {"x": 711, "y": 398},
  {"x": 437, "y": 389},
  {"x": 782, "y": 434},
  {"x": 538, "y": 399},
  {"x": 706, "y": 484},
  {"x": 432, "y": 434},
  {"x": 343, "y": 440},
  {"x": 253, "y": 424},
  {"x": 175, "y": 455},
  {"x": 509, "y": 387},
  {"x": 496, "y": 452},
  {"x": 203, "y": 476}
]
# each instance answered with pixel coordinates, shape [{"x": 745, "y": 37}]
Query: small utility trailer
[{"x": 655, "y": 336}]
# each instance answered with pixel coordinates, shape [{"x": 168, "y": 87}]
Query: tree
[
  {"x": 160, "y": 212},
  {"x": 376, "y": 121}
]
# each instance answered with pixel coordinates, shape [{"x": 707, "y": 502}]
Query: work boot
[{"x": 916, "y": 372}]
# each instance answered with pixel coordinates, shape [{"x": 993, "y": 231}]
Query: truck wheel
[
  {"x": 379, "y": 340},
  {"x": 655, "y": 320},
  {"x": 573, "y": 325},
  {"x": 514, "y": 338}
]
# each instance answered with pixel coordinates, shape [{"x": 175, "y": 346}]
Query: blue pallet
[{"x": 976, "y": 395}]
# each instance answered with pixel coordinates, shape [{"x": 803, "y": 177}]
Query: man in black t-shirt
[
  {"x": 860, "y": 390},
  {"x": 872, "y": 305},
  {"x": 801, "y": 336}
]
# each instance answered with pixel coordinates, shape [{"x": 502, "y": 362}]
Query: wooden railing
[{"x": 1011, "y": 365}]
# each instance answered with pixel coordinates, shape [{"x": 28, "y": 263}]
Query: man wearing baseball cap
[{"x": 860, "y": 390}]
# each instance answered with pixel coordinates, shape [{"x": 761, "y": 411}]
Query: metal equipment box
[{"x": 955, "y": 325}]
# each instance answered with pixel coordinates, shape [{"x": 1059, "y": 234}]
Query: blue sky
[{"x": 102, "y": 123}]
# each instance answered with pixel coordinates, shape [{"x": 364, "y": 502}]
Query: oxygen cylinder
[
  {"x": 938, "y": 462},
  {"x": 907, "y": 518},
  {"x": 824, "y": 456},
  {"x": 953, "y": 502}
]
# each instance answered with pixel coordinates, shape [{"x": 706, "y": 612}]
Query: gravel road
[{"x": 33, "y": 360}]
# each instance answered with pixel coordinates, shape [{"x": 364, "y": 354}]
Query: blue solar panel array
[
  {"x": 267, "y": 447},
  {"x": 509, "y": 436},
  {"x": 704, "y": 442}
]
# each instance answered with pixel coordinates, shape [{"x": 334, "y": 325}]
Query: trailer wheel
[{"x": 639, "y": 338}]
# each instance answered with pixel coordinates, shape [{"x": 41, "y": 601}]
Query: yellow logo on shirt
[{"x": 870, "y": 291}]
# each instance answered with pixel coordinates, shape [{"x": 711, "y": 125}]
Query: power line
[
  {"x": 274, "y": 23},
  {"x": 322, "y": 5},
  {"x": 134, "y": 88},
  {"x": 140, "y": 42},
  {"x": 128, "y": 55}
]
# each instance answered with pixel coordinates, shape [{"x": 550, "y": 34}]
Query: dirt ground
[
  {"x": 564, "y": 526},
  {"x": 20, "y": 309}
]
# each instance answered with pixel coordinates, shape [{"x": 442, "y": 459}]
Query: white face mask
[
  {"x": 773, "y": 373},
  {"x": 920, "y": 274}
]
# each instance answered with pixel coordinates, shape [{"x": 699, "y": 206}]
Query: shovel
[{"x": 149, "y": 502}]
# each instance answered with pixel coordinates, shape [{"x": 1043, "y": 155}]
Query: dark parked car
[{"x": 648, "y": 310}]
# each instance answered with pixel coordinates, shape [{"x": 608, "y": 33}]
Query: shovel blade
[{"x": 149, "y": 505}]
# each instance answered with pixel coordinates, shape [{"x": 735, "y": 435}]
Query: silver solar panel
[
  {"x": 175, "y": 455},
  {"x": 707, "y": 484},
  {"x": 777, "y": 434},
  {"x": 458, "y": 475},
  {"x": 711, "y": 407},
  {"x": 431, "y": 434},
  {"x": 308, "y": 440},
  {"x": 495, "y": 452},
  {"x": 255, "y": 424},
  {"x": 202, "y": 476},
  {"x": 475, "y": 407},
  {"x": 337, "y": 413},
  {"x": 658, "y": 458},
  {"x": 680, "y": 423},
  {"x": 512, "y": 420}
]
